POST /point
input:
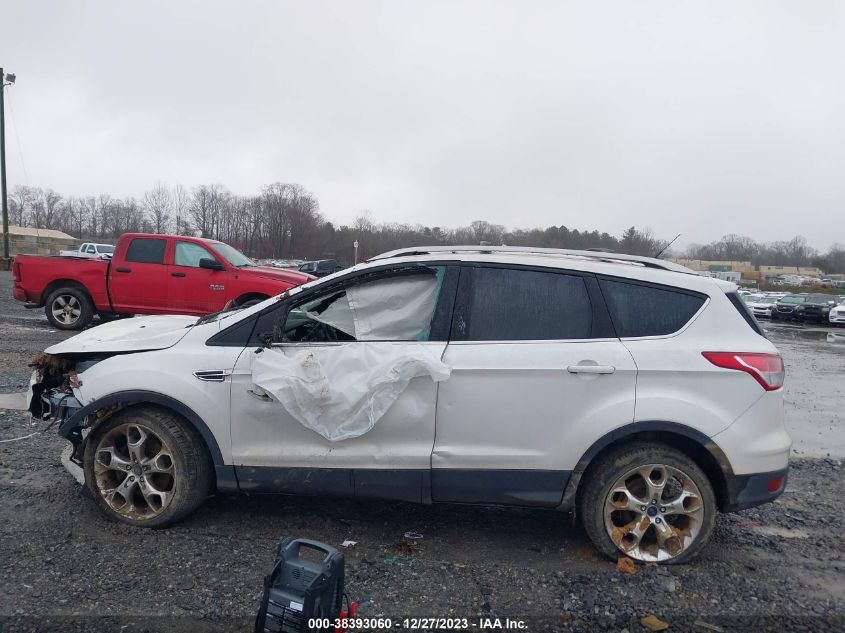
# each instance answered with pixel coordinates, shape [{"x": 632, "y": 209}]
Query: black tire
[
  {"x": 600, "y": 478},
  {"x": 74, "y": 303},
  {"x": 188, "y": 485}
]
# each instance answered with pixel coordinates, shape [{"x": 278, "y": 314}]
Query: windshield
[
  {"x": 819, "y": 298},
  {"x": 233, "y": 255},
  {"x": 103, "y": 248},
  {"x": 794, "y": 299}
]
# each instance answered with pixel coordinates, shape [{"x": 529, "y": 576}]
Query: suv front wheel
[
  {"x": 147, "y": 466},
  {"x": 647, "y": 501}
]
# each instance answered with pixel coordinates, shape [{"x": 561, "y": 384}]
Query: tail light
[
  {"x": 16, "y": 271},
  {"x": 767, "y": 369}
]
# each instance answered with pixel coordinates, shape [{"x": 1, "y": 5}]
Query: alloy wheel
[
  {"x": 66, "y": 309},
  {"x": 134, "y": 472},
  {"x": 653, "y": 512}
]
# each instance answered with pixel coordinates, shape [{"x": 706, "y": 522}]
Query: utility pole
[{"x": 3, "y": 163}]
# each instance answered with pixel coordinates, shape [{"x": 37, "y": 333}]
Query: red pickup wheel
[{"x": 69, "y": 308}]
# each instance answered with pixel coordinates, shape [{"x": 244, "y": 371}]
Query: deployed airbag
[{"x": 341, "y": 391}]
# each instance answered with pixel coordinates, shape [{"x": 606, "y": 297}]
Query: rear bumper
[
  {"x": 19, "y": 293},
  {"x": 747, "y": 491}
]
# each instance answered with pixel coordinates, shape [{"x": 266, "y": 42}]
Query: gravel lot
[{"x": 65, "y": 567}]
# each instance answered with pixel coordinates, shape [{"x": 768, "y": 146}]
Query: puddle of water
[{"x": 798, "y": 333}]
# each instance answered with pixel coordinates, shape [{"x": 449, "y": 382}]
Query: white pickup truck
[{"x": 91, "y": 250}]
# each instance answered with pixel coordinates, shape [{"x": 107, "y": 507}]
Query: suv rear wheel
[
  {"x": 649, "y": 502},
  {"x": 146, "y": 466}
]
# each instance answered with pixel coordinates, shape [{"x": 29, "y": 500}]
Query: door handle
[
  {"x": 124, "y": 270},
  {"x": 591, "y": 369},
  {"x": 177, "y": 274},
  {"x": 259, "y": 396}
]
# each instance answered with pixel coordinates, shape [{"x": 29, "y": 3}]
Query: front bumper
[{"x": 747, "y": 491}]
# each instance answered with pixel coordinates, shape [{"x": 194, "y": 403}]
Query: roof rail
[{"x": 649, "y": 262}]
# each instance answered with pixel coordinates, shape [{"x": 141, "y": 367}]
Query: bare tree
[
  {"x": 180, "y": 207},
  {"x": 158, "y": 203}
]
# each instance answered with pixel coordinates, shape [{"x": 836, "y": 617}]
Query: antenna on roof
[{"x": 662, "y": 250}]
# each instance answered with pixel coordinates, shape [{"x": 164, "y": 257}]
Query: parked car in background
[
  {"x": 786, "y": 308},
  {"x": 837, "y": 314},
  {"x": 320, "y": 268},
  {"x": 148, "y": 274},
  {"x": 90, "y": 250},
  {"x": 816, "y": 307},
  {"x": 761, "y": 305},
  {"x": 629, "y": 387}
]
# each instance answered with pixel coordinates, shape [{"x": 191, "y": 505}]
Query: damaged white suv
[{"x": 640, "y": 394}]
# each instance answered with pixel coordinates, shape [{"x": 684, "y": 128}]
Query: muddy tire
[
  {"x": 147, "y": 466},
  {"x": 647, "y": 501},
  {"x": 69, "y": 308}
]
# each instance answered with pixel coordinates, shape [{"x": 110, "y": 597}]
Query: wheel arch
[
  {"x": 251, "y": 296},
  {"x": 71, "y": 427},
  {"x": 64, "y": 283},
  {"x": 695, "y": 444}
]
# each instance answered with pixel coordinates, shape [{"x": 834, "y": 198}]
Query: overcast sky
[{"x": 701, "y": 118}]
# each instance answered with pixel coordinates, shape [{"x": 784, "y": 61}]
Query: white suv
[{"x": 628, "y": 389}]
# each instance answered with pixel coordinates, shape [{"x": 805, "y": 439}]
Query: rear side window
[
  {"x": 146, "y": 251},
  {"x": 526, "y": 305},
  {"x": 646, "y": 310}
]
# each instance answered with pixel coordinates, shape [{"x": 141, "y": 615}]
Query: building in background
[{"x": 39, "y": 241}]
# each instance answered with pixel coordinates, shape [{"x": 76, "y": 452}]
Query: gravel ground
[{"x": 66, "y": 568}]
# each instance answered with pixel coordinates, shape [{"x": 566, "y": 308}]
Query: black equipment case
[{"x": 301, "y": 589}]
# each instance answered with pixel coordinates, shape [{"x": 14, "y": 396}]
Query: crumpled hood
[
  {"x": 128, "y": 335},
  {"x": 290, "y": 276}
]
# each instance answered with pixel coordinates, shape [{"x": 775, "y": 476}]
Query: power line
[{"x": 17, "y": 139}]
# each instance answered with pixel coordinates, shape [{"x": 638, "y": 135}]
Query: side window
[
  {"x": 645, "y": 310},
  {"x": 526, "y": 305},
  {"x": 190, "y": 254},
  {"x": 398, "y": 306},
  {"x": 90, "y": 249},
  {"x": 146, "y": 251}
]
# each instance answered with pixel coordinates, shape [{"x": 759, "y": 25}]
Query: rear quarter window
[
  {"x": 640, "y": 309},
  {"x": 744, "y": 312}
]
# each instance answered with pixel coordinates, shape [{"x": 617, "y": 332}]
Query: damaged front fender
[{"x": 76, "y": 426}]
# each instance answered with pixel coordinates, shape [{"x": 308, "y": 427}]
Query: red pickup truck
[{"x": 148, "y": 274}]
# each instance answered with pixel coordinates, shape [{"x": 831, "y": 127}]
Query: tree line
[
  {"x": 283, "y": 221},
  {"x": 794, "y": 252}
]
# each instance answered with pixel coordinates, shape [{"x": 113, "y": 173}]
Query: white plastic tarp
[
  {"x": 342, "y": 391},
  {"x": 393, "y": 309}
]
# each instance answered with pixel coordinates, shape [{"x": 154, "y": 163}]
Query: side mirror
[{"x": 211, "y": 264}]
